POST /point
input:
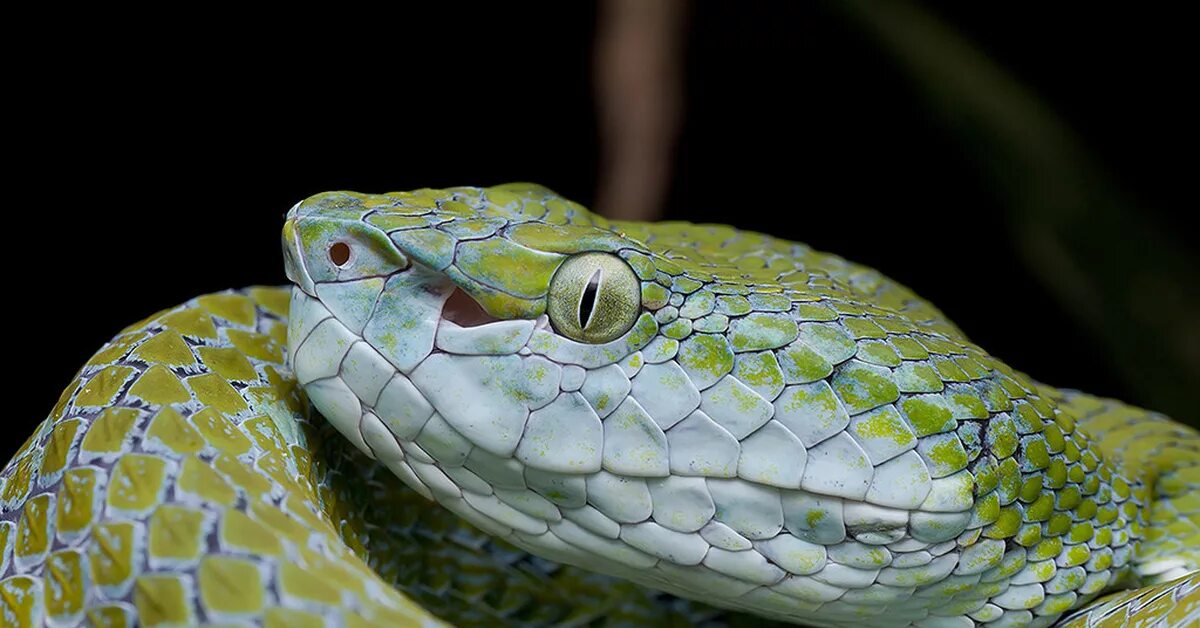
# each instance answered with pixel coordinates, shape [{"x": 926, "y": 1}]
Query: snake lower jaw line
[{"x": 429, "y": 430}]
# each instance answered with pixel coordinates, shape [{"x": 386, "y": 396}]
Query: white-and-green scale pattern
[{"x": 718, "y": 414}]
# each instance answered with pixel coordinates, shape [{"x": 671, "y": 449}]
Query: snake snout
[{"x": 293, "y": 260}]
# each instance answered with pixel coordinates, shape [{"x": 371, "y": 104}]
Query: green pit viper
[{"x": 613, "y": 418}]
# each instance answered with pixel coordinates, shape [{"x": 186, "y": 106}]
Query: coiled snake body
[{"x": 717, "y": 414}]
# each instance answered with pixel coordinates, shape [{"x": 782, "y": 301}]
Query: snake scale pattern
[{"x": 715, "y": 414}]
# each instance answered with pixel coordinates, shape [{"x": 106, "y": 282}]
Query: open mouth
[
  {"x": 464, "y": 327},
  {"x": 464, "y": 311}
]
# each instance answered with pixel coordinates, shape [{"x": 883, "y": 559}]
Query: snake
[{"x": 490, "y": 406}]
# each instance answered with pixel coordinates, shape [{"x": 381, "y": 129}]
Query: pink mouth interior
[{"x": 464, "y": 311}]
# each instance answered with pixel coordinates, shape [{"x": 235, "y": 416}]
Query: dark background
[{"x": 995, "y": 163}]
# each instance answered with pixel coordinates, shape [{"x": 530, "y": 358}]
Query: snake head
[{"x": 433, "y": 325}]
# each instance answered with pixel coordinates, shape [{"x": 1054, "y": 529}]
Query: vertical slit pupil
[{"x": 588, "y": 302}]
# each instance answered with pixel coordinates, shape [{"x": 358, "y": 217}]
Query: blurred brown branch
[
  {"x": 639, "y": 91},
  {"x": 1127, "y": 281}
]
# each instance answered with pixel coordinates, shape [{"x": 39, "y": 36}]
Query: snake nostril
[{"x": 339, "y": 253}]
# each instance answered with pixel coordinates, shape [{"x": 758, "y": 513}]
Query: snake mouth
[{"x": 462, "y": 310}]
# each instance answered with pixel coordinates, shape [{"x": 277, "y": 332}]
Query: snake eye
[
  {"x": 594, "y": 298},
  {"x": 339, "y": 254}
]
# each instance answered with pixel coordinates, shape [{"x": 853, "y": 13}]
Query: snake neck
[{"x": 1159, "y": 461}]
